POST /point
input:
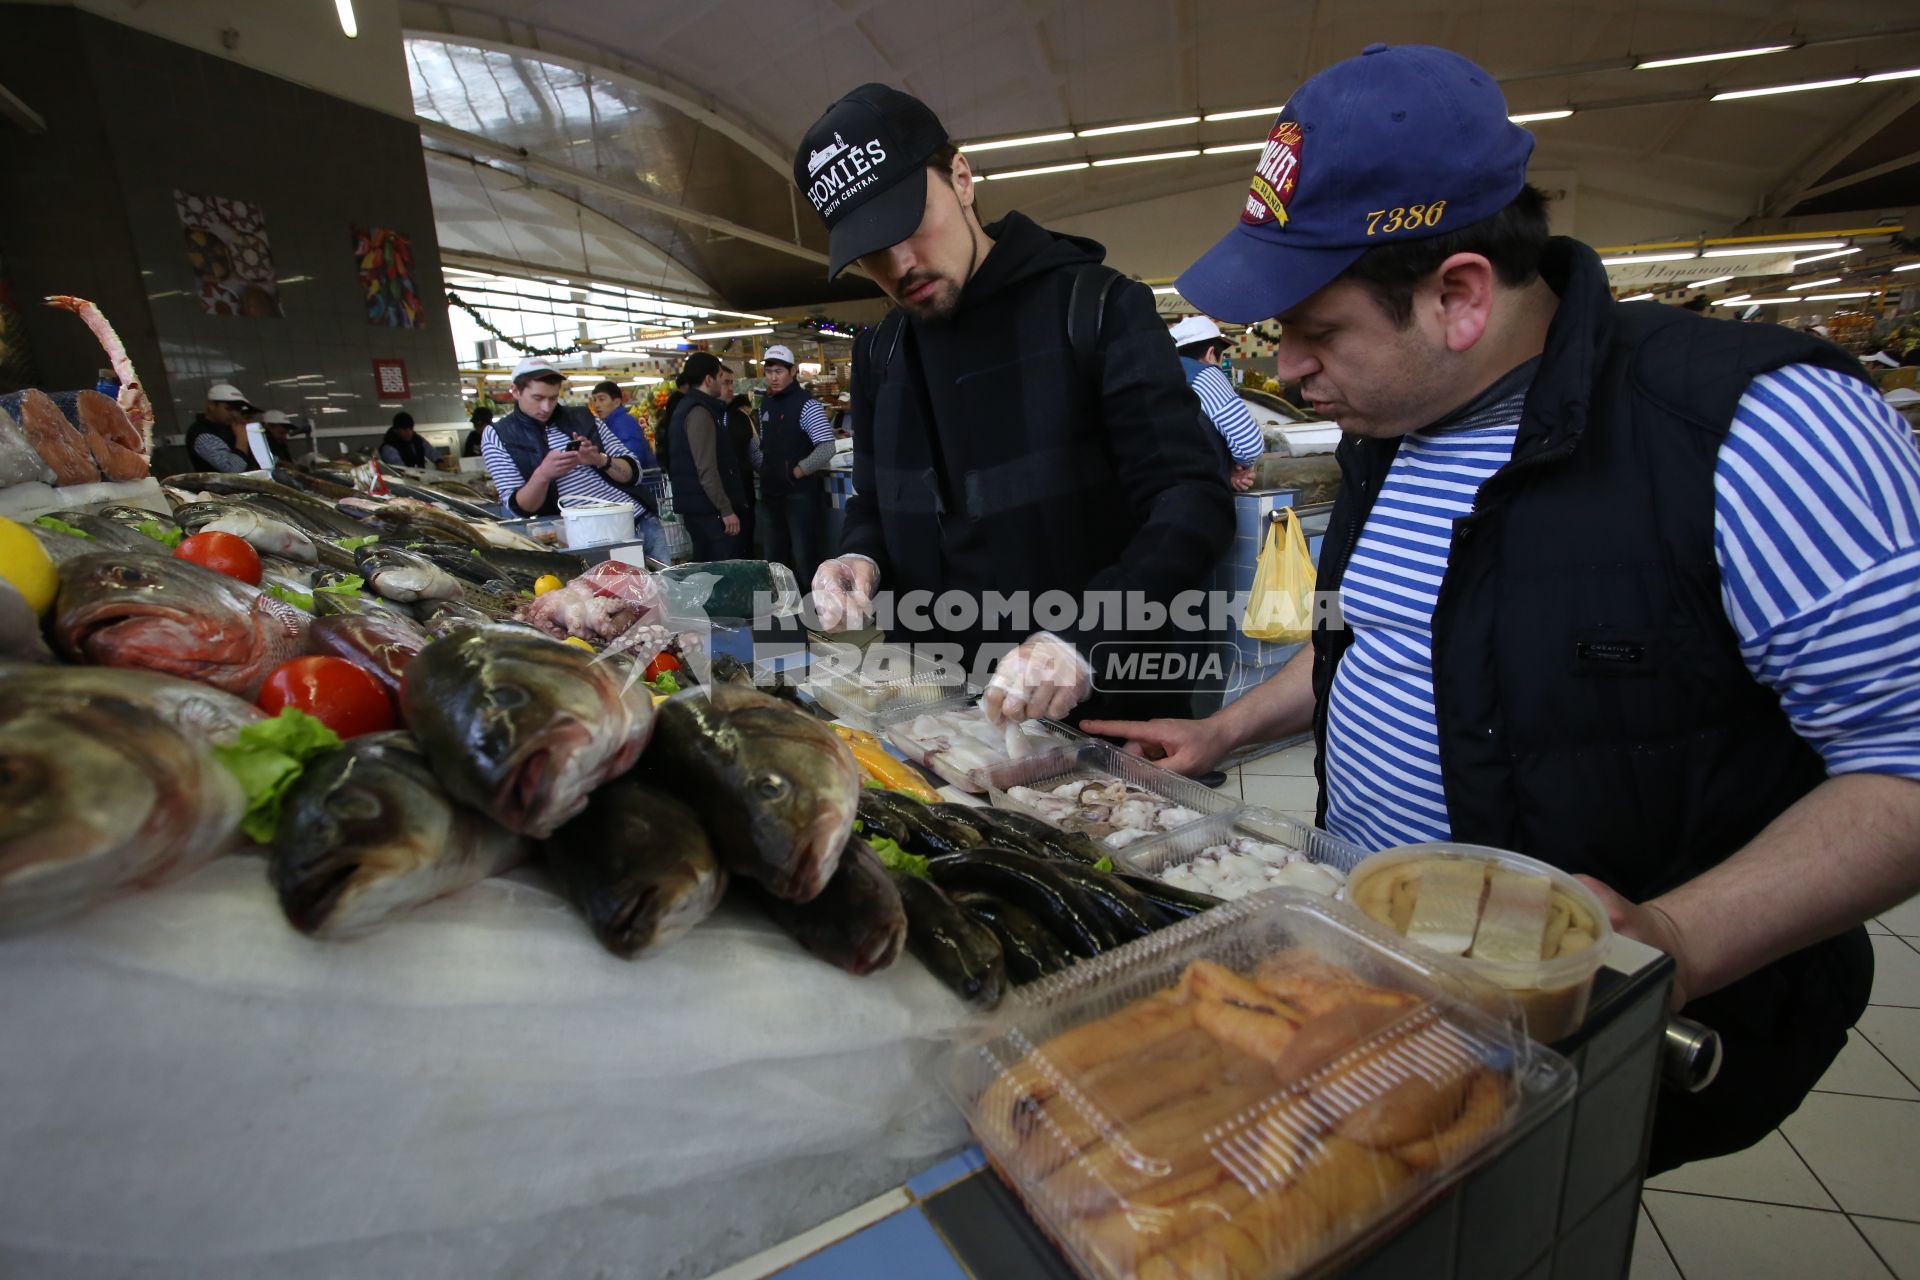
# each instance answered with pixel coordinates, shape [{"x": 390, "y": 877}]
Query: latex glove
[
  {"x": 1045, "y": 676},
  {"x": 843, "y": 592}
]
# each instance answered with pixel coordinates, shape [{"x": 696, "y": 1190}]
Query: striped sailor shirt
[
  {"x": 1229, "y": 415},
  {"x": 1817, "y": 535}
]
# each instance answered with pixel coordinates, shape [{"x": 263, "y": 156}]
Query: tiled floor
[{"x": 1835, "y": 1193}]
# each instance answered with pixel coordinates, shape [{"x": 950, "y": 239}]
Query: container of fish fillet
[
  {"x": 1261, "y": 1092},
  {"x": 1526, "y": 927},
  {"x": 1118, "y": 799},
  {"x": 860, "y": 685}
]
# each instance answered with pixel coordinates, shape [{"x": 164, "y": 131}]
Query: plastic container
[
  {"x": 975, "y": 767},
  {"x": 860, "y": 685},
  {"x": 592, "y": 522},
  {"x": 1100, "y": 761},
  {"x": 1552, "y": 993},
  {"x": 1302, "y": 841},
  {"x": 1260, "y": 1092}
]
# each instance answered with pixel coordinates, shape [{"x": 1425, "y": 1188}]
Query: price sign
[{"x": 390, "y": 380}]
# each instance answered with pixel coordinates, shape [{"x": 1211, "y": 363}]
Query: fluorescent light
[
  {"x": 1733, "y": 298},
  {"x": 1532, "y": 116},
  {"x": 1722, "y": 56},
  {"x": 1167, "y": 288},
  {"x": 1802, "y": 87},
  {"x": 1702, "y": 284},
  {"x": 1756, "y": 302},
  {"x": 1233, "y": 146},
  {"x": 1648, "y": 257},
  {"x": 1820, "y": 257},
  {"x": 1242, "y": 115},
  {"x": 1837, "y": 297},
  {"x": 1814, "y": 284},
  {"x": 1639, "y": 297},
  {"x": 1029, "y": 173},
  {"x": 1881, "y": 77},
  {"x": 347, "y": 24},
  {"x": 1158, "y": 155},
  {"x": 727, "y": 333},
  {"x": 1911, "y": 266},
  {"x": 1030, "y": 140},
  {"x": 1104, "y": 130},
  {"x": 1748, "y": 250}
]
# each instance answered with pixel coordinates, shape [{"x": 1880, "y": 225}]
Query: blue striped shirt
[
  {"x": 814, "y": 421},
  {"x": 1229, "y": 414},
  {"x": 581, "y": 482},
  {"x": 1817, "y": 535}
]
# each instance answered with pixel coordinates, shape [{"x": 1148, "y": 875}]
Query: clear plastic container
[
  {"x": 1260, "y": 1092},
  {"x": 1331, "y": 857},
  {"x": 1102, "y": 762},
  {"x": 1552, "y": 991},
  {"x": 973, "y": 763},
  {"x": 860, "y": 685}
]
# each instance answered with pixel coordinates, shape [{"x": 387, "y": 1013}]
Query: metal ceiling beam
[
  {"x": 509, "y": 266},
  {"x": 19, "y": 114},
  {"x": 1828, "y": 152},
  {"x": 462, "y": 141},
  {"x": 1865, "y": 175}
]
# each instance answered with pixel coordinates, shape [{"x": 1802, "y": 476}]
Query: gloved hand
[
  {"x": 843, "y": 592},
  {"x": 1045, "y": 676}
]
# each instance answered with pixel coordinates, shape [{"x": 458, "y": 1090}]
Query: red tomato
[
  {"x": 662, "y": 662},
  {"x": 333, "y": 691},
  {"x": 222, "y": 553}
]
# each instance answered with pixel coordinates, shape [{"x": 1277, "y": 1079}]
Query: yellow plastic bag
[{"x": 1280, "y": 607}]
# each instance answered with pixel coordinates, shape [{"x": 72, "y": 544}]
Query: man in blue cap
[{"x": 1615, "y": 585}]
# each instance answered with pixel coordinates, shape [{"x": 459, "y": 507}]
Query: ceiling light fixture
[
  {"x": 1703, "y": 284},
  {"x": 1688, "y": 60},
  {"x": 1031, "y": 173},
  {"x": 1158, "y": 155},
  {"x": 1242, "y": 115},
  {"x": 1138, "y": 125},
  {"x": 1733, "y": 298},
  {"x": 1881, "y": 77},
  {"x": 1730, "y": 94},
  {"x": 1233, "y": 146},
  {"x": 727, "y": 333},
  {"x": 347, "y": 22},
  {"x": 1639, "y": 297},
  {"x": 1531, "y": 117},
  {"x": 1821, "y": 257},
  {"x": 1030, "y": 140},
  {"x": 1814, "y": 284},
  {"x": 1647, "y": 257},
  {"x": 1838, "y": 297},
  {"x": 1748, "y": 250},
  {"x": 1167, "y": 288},
  {"x": 1755, "y": 302},
  {"x": 1911, "y": 266}
]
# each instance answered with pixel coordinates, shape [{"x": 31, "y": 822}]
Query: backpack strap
[{"x": 1086, "y": 310}]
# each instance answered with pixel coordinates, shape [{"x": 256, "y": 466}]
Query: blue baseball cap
[{"x": 1400, "y": 143}]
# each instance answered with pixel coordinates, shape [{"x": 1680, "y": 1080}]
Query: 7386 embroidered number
[{"x": 1414, "y": 215}]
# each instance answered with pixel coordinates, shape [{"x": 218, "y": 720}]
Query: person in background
[
  {"x": 843, "y": 414},
  {"x": 1619, "y": 587},
  {"x": 744, "y": 440},
  {"x": 482, "y": 419},
  {"x": 213, "y": 438},
  {"x": 796, "y": 445},
  {"x": 660, "y": 442},
  {"x": 544, "y": 451},
  {"x": 709, "y": 491},
  {"x": 609, "y": 405},
  {"x": 1200, "y": 343},
  {"x": 403, "y": 447},
  {"x": 278, "y": 426}
]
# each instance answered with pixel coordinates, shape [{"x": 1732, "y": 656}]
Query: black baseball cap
[{"x": 859, "y": 167}]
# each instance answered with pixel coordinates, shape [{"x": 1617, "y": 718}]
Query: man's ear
[
  {"x": 960, "y": 173},
  {"x": 1462, "y": 296}
]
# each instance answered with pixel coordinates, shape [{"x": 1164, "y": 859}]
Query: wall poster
[
  {"x": 385, "y": 261},
  {"x": 227, "y": 246}
]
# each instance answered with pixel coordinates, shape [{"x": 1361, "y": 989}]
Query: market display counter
[{"x": 1560, "y": 1204}]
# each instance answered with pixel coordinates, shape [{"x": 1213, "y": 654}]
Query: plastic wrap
[
  {"x": 196, "y": 1089},
  {"x": 1254, "y": 1094},
  {"x": 858, "y": 685}
]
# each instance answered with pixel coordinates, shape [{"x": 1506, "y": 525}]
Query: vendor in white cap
[
  {"x": 278, "y": 425},
  {"x": 213, "y": 438},
  {"x": 1200, "y": 343},
  {"x": 544, "y": 451},
  {"x": 796, "y": 445}
]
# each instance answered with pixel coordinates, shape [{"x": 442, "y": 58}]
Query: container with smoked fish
[{"x": 1259, "y": 1093}]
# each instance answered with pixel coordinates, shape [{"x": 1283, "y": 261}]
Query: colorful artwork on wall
[
  {"x": 385, "y": 259},
  {"x": 232, "y": 261}
]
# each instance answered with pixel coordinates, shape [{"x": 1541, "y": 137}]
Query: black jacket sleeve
[
  {"x": 860, "y": 533},
  {"x": 1167, "y": 467}
]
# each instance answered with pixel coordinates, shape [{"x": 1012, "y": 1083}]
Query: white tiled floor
[{"x": 1835, "y": 1193}]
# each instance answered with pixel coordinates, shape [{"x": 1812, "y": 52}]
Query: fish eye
[
  {"x": 508, "y": 696},
  {"x": 355, "y": 804},
  {"x": 127, "y": 574},
  {"x": 771, "y": 786}
]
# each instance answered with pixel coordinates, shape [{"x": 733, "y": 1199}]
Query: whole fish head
[
  {"x": 523, "y": 727},
  {"x": 155, "y": 612},
  {"x": 639, "y": 866},
  {"x": 401, "y": 575},
  {"x": 357, "y": 825}
]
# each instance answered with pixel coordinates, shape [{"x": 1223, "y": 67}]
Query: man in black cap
[
  {"x": 709, "y": 491},
  {"x": 1618, "y": 587},
  {"x": 1026, "y": 449}
]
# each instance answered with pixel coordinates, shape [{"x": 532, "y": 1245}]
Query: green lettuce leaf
[
  {"x": 347, "y": 586},
  {"x": 354, "y": 544},
  {"x": 894, "y": 858},
  {"x": 160, "y": 533},
  {"x": 664, "y": 683},
  {"x": 266, "y": 757},
  {"x": 298, "y": 599},
  {"x": 1105, "y": 864},
  {"x": 58, "y": 525}
]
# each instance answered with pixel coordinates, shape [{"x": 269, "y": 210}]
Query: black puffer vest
[{"x": 784, "y": 442}]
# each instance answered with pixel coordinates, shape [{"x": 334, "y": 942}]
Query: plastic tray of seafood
[
  {"x": 1258, "y": 1093},
  {"x": 1118, "y": 799},
  {"x": 858, "y": 685},
  {"x": 1231, "y": 855},
  {"x": 954, "y": 739}
]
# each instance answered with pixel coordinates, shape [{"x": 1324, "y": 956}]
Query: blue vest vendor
[
  {"x": 1621, "y": 587},
  {"x": 796, "y": 445},
  {"x": 544, "y": 450}
]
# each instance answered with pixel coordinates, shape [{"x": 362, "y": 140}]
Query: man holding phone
[{"x": 544, "y": 451}]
